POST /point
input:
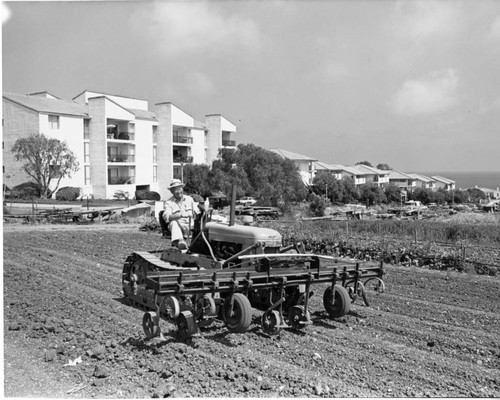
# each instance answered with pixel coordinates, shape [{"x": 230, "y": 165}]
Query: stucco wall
[
  {"x": 18, "y": 122},
  {"x": 144, "y": 152},
  {"x": 164, "y": 148},
  {"x": 198, "y": 146}
]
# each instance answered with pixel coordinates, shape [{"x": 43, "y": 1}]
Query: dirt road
[{"x": 431, "y": 334}]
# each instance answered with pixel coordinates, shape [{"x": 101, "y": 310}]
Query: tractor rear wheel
[
  {"x": 237, "y": 313},
  {"x": 337, "y": 302}
]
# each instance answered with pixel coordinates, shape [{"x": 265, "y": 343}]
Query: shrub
[
  {"x": 317, "y": 206},
  {"x": 120, "y": 195},
  {"x": 147, "y": 195},
  {"x": 68, "y": 193},
  {"x": 26, "y": 191}
]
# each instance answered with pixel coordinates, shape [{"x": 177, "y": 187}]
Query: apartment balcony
[
  {"x": 229, "y": 143},
  {"x": 182, "y": 139},
  {"x": 183, "y": 159},
  {"x": 121, "y": 180},
  {"x": 121, "y": 158},
  {"x": 125, "y": 136}
]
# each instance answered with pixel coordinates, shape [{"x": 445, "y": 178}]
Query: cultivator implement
[{"x": 279, "y": 284}]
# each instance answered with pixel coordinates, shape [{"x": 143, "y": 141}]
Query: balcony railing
[
  {"x": 121, "y": 180},
  {"x": 121, "y": 158},
  {"x": 186, "y": 160},
  {"x": 229, "y": 143},
  {"x": 182, "y": 139},
  {"x": 121, "y": 135}
]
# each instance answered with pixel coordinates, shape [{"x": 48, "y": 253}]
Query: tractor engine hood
[{"x": 243, "y": 234}]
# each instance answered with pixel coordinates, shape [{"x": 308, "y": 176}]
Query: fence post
[
  {"x": 347, "y": 228},
  {"x": 416, "y": 239}
]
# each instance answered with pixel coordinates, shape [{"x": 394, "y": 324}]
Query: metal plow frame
[{"x": 193, "y": 297}]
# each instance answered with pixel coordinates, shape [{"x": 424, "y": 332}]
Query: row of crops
[{"x": 411, "y": 243}]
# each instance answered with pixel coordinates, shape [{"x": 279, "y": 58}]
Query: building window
[
  {"x": 86, "y": 152},
  {"x": 154, "y": 154},
  {"x": 155, "y": 134},
  {"x": 86, "y": 129},
  {"x": 155, "y": 173},
  {"x": 54, "y": 121}
]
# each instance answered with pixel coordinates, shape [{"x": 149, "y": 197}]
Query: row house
[
  {"x": 423, "y": 182},
  {"x": 305, "y": 164},
  {"x": 443, "y": 183},
  {"x": 360, "y": 174},
  {"x": 403, "y": 181},
  {"x": 119, "y": 143}
]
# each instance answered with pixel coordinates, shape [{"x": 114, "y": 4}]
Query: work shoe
[{"x": 181, "y": 245}]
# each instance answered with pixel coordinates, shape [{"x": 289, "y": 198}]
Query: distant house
[
  {"x": 359, "y": 174},
  {"x": 374, "y": 175},
  {"x": 402, "y": 180},
  {"x": 422, "y": 181},
  {"x": 334, "y": 169},
  {"x": 305, "y": 164},
  {"x": 443, "y": 183}
]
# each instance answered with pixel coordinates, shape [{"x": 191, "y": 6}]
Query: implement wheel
[
  {"x": 271, "y": 322},
  {"x": 337, "y": 302},
  {"x": 237, "y": 313},
  {"x": 150, "y": 324},
  {"x": 205, "y": 310},
  {"x": 297, "y": 317}
]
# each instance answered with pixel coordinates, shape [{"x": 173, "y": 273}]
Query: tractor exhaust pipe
[{"x": 232, "y": 212}]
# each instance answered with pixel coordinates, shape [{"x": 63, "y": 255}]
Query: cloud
[
  {"x": 494, "y": 32},
  {"x": 192, "y": 26},
  {"x": 6, "y": 14},
  {"x": 200, "y": 83},
  {"x": 433, "y": 93},
  {"x": 421, "y": 20}
]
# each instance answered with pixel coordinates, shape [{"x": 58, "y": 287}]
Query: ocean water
[{"x": 465, "y": 180}]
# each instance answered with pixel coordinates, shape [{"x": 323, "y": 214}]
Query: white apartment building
[{"x": 119, "y": 143}]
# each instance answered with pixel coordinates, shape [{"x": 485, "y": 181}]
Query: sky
[{"x": 412, "y": 84}]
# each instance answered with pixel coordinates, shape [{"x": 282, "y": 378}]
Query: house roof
[
  {"x": 143, "y": 114},
  {"x": 371, "y": 170},
  {"x": 292, "y": 156},
  {"x": 319, "y": 165},
  {"x": 443, "y": 180},
  {"x": 422, "y": 178},
  {"x": 399, "y": 175},
  {"x": 46, "y": 105}
]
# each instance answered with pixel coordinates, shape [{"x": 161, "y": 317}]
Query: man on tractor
[{"x": 179, "y": 213}]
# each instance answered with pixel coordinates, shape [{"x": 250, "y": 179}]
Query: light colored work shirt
[{"x": 186, "y": 206}]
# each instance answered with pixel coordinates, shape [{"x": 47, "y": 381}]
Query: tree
[
  {"x": 325, "y": 183},
  {"x": 367, "y": 163},
  {"x": 392, "y": 193},
  {"x": 46, "y": 160},
  {"x": 196, "y": 178},
  {"x": 475, "y": 195},
  {"x": 257, "y": 172},
  {"x": 384, "y": 167},
  {"x": 371, "y": 194}
]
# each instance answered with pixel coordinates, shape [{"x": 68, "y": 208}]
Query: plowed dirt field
[{"x": 431, "y": 334}]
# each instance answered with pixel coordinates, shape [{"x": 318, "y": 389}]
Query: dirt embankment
[{"x": 431, "y": 334}]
